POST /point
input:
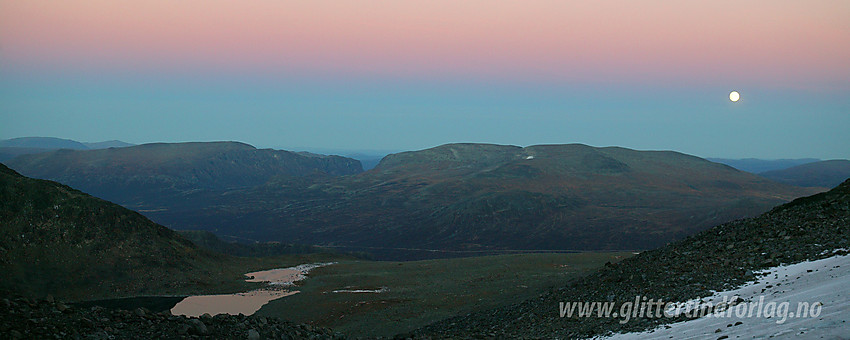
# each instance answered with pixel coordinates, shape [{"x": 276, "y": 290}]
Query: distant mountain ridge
[
  {"x": 145, "y": 172},
  {"x": 368, "y": 158},
  {"x": 825, "y": 174},
  {"x": 460, "y": 197},
  {"x": 11, "y": 148},
  {"x": 755, "y": 165},
  {"x": 483, "y": 196},
  {"x": 107, "y": 144},
  {"x": 43, "y": 143},
  {"x": 52, "y": 143}
]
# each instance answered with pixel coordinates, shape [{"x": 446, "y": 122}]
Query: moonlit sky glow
[{"x": 400, "y": 75}]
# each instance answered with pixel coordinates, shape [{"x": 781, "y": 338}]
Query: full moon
[{"x": 734, "y": 96}]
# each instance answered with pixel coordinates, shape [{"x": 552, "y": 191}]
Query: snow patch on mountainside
[{"x": 818, "y": 287}]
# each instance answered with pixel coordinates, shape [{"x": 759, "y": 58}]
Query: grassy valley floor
[{"x": 371, "y": 298}]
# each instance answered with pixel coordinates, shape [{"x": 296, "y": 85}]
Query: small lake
[{"x": 280, "y": 282}]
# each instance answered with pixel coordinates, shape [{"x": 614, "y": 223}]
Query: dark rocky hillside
[
  {"x": 139, "y": 175},
  {"x": 480, "y": 196},
  {"x": 22, "y": 318},
  {"x": 717, "y": 259},
  {"x": 57, "y": 240},
  {"x": 825, "y": 174}
]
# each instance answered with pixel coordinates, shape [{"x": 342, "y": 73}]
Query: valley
[
  {"x": 384, "y": 298},
  {"x": 59, "y": 242}
]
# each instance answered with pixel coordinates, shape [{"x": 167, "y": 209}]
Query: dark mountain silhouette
[
  {"x": 717, "y": 259},
  {"x": 825, "y": 174},
  {"x": 58, "y": 240},
  {"x": 11, "y": 148},
  {"x": 451, "y": 197},
  {"x": 480, "y": 196},
  {"x": 107, "y": 144},
  {"x": 43, "y": 143},
  {"x": 755, "y": 165},
  {"x": 138, "y": 176},
  {"x": 368, "y": 158}
]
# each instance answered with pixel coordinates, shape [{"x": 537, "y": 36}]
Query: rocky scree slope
[
  {"x": 22, "y": 318},
  {"x": 717, "y": 259}
]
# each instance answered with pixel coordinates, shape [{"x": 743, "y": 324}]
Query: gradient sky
[{"x": 400, "y": 75}]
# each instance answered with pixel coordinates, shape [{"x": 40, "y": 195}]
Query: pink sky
[{"x": 756, "y": 41}]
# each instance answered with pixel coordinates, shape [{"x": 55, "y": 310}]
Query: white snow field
[{"x": 822, "y": 285}]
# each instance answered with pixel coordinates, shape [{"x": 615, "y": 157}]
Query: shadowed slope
[
  {"x": 481, "y": 196},
  {"x": 60, "y": 241},
  {"x": 826, "y": 174},
  {"x": 717, "y": 259},
  {"x": 135, "y": 175}
]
